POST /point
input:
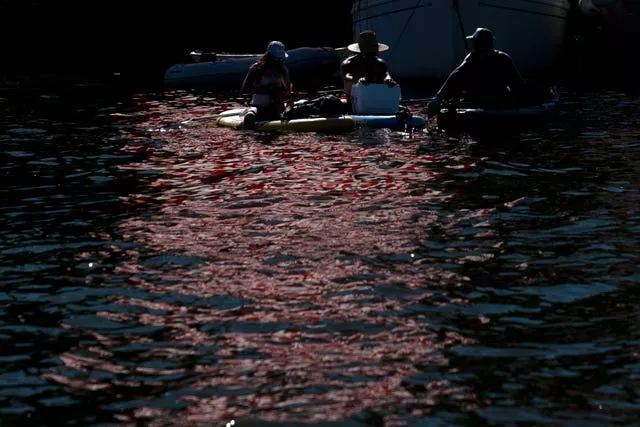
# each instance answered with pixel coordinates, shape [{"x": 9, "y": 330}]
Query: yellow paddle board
[{"x": 314, "y": 124}]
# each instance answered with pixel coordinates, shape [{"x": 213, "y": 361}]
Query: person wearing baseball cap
[
  {"x": 487, "y": 77},
  {"x": 267, "y": 81},
  {"x": 365, "y": 66}
]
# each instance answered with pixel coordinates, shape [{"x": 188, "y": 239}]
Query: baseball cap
[
  {"x": 481, "y": 34},
  {"x": 276, "y": 49}
]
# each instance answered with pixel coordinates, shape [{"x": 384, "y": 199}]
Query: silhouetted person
[
  {"x": 268, "y": 82},
  {"x": 365, "y": 66},
  {"x": 487, "y": 77}
]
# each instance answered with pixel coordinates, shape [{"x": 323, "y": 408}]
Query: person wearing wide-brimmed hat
[
  {"x": 365, "y": 66},
  {"x": 487, "y": 77}
]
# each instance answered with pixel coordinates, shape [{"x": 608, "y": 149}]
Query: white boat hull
[{"x": 426, "y": 39}]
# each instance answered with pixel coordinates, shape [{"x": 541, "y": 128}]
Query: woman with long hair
[{"x": 267, "y": 81}]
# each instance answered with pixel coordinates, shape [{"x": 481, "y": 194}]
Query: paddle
[
  {"x": 231, "y": 112},
  {"x": 416, "y": 100},
  {"x": 205, "y": 117},
  {"x": 456, "y": 6}
]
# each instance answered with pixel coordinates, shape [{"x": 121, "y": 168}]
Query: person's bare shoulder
[{"x": 504, "y": 55}]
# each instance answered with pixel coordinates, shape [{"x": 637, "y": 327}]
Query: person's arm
[
  {"x": 443, "y": 92},
  {"x": 286, "y": 80},
  {"x": 347, "y": 76},
  {"x": 450, "y": 87},
  {"x": 514, "y": 79},
  {"x": 452, "y": 84},
  {"x": 284, "y": 86},
  {"x": 345, "y": 71},
  {"x": 251, "y": 81},
  {"x": 387, "y": 76}
]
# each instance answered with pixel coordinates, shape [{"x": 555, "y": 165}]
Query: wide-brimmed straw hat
[{"x": 367, "y": 43}]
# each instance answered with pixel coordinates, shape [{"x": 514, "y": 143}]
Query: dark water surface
[{"x": 154, "y": 273}]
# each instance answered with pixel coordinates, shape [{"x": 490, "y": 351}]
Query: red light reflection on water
[{"x": 308, "y": 230}]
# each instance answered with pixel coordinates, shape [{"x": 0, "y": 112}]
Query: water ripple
[{"x": 157, "y": 269}]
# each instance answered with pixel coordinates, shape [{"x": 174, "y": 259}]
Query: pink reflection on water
[{"x": 306, "y": 230}]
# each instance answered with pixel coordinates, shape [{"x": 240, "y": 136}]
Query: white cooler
[{"x": 376, "y": 99}]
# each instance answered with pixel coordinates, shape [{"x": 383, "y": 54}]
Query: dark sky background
[{"x": 54, "y": 35}]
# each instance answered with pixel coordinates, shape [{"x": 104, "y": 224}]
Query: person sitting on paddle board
[
  {"x": 365, "y": 66},
  {"x": 268, "y": 82},
  {"x": 487, "y": 77}
]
